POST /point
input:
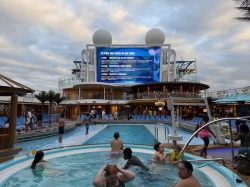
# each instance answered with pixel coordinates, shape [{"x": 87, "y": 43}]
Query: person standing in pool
[
  {"x": 112, "y": 178},
  {"x": 159, "y": 155},
  {"x": 86, "y": 122},
  {"x": 116, "y": 144},
  {"x": 61, "y": 126}
]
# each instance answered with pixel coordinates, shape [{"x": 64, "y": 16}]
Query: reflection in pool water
[
  {"x": 80, "y": 169},
  {"x": 224, "y": 153}
]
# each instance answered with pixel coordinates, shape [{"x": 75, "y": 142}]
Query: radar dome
[
  {"x": 155, "y": 36},
  {"x": 102, "y": 36}
]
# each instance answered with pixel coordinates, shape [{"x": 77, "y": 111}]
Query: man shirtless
[
  {"x": 61, "y": 125},
  {"x": 116, "y": 144}
]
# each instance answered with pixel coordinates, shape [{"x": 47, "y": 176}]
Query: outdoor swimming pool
[
  {"x": 134, "y": 134},
  {"x": 77, "y": 166}
]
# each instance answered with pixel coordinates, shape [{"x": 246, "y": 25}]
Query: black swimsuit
[
  {"x": 61, "y": 129},
  {"x": 121, "y": 184}
]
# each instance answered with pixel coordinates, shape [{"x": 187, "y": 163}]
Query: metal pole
[
  {"x": 12, "y": 120},
  {"x": 209, "y": 123},
  {"x": 232, "y": 146}
]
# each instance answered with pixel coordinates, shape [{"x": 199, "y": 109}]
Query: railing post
[{"x": 231, "y": 137}]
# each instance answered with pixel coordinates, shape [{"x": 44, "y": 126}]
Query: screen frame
[{"x": 130, "y": 46}]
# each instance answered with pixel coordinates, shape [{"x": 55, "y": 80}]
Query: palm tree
[
  {"x": 244, "y": 6},
  {"x": 59, "y": 99},
  {"x": 51, "y": 97},
  {"x": 42, "y": 97}
]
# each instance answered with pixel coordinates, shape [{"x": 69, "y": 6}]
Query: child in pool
[{"x": 175, "y": 154}]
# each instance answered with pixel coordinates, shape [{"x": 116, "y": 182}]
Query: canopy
[
  {"x": 9, "y": 87},
  {"x": 234, "y": 98}
]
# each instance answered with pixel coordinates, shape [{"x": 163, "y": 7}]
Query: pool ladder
[{"x": 156, "y": 131}]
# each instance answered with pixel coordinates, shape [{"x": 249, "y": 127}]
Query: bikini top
[{"x": 190, "y": 182}]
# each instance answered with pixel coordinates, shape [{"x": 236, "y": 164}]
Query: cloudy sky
[{"x": 40, "y": 39}]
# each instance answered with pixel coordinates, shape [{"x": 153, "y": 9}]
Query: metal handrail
[
  {"x": 211, "y": 122},
  {"x": 156, "y": 130}
]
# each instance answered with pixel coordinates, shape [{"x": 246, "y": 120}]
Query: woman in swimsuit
[
  {"x": 37, "y": 164},
  {"x": 112, "y": 178},
  {"x": 159, "y": 155},
  {"x": 185, "y": 170},
  {"x": 204, "y": 134}
]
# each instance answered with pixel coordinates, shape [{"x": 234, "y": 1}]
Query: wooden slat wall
[{"x": 4, "y": 141}]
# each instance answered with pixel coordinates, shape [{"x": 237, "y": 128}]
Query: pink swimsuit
[{"x": 204, "y": 132}]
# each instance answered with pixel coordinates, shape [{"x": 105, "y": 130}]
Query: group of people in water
[{"x": 113, "y": 175}]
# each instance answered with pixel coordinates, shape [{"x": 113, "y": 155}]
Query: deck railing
[{"x": 144, "y": 95}]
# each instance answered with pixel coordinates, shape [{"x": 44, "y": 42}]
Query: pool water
[
  {"x": 80, "y": 170},
  {"x": 132, "y": 134},
  {"x": 135, "y": 134}
]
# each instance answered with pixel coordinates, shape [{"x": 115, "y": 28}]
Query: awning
[{"x": 234, "y": 98}]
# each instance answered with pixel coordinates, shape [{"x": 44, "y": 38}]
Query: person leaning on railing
[{"x": 244, "y": 138}]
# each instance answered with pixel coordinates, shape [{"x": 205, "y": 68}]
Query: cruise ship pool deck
[{"x": 77, "y": 160}]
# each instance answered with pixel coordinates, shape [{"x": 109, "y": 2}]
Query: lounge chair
[
  {"x": 157, "y": 118},
  {"x": 163, "y": 118},
  {"x": 152, "y": 117},
  {"x": 147, "y": 118}
]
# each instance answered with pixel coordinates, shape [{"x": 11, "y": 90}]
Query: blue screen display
[{"x": 128, "y": 65}]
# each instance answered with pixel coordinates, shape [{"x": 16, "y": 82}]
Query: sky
[{"x": 39, "y": 40}]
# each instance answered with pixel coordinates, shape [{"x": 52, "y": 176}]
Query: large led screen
[{"x": 128, "y": 65}]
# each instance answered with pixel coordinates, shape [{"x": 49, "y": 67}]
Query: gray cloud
[{"x": 39, "y": 40}]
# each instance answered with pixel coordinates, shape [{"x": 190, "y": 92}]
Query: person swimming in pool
[
  {"x": 112, "y": 178},
  {"x": 133, "y": 160},
  {"x": 116, "y": 144},
  {"x": 61, "y": 125}
]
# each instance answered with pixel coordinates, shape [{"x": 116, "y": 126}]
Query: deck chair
[
  {"x": 163, "y": 118},
  {"x": 2, "y": 122},
  {"x": 179, "y": 118},
  {"x": 134, "y": 117},
  {"x": 142, "y": 117},
  {"x": 152, "y": 117},
  {"x": 168, "y": 118},
  {"x": 147, "y": 117},
  {"x": 138, "y": 117},
  {"x": 157, "y": 118}
]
